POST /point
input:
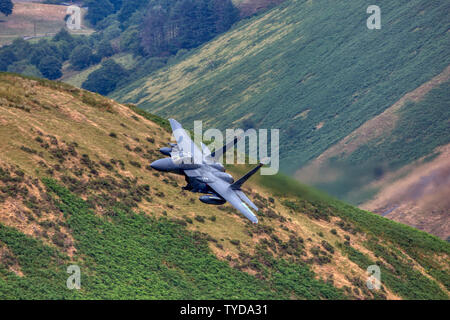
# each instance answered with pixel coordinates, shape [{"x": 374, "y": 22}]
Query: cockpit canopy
[{"x": 181, "y": 157}]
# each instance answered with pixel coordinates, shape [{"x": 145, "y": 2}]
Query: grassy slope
[
  {"x": 395, "y": 162},
  {"x": 420, "y": 128},
  {"x": 429, "y": 117},
  {"x": 303, "y": 57},
  {"x": 75, "y": 189}
]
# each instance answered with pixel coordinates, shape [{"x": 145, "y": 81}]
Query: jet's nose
[
  {"x": 165, "y": 164},
  {"x": 157, "y": 165}
]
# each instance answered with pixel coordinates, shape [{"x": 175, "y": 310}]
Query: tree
[
  {"x": 105, "y": 79},
  {"x": 50, "y": 67},
  {"x": 64, "y": 49},
  {"x": 45, "y": 48},
  {"x": 63, "y": 35},
  {"x": 38, "y": 53},
  {"x": 130, "y": 41},
  {"x": 6, "y": 7},
  {"x": 153, "y": 36},
  {"x": 225, "y": 14},
  {"x": 21, "y": 48},
  {"x": 105, "y": 49},
  {"x": 7, "y": 57},
  {"x": 81, "y": 57},
  {"x": 129, "y": 7},
  {"x": 98, "y": 10}
]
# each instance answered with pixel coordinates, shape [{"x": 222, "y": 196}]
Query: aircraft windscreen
[{"x": 180, "y": 157}]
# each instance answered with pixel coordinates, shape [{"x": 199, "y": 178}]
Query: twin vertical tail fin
[
  {"x": 216, "y": 154},
  {"x": 238, "y": 184}
]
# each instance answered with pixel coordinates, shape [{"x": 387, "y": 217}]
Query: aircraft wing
[
  {"x": 193, "y": 173},
  {"x": 184, "y": 142},
  {"x": 224, "y": 190}
]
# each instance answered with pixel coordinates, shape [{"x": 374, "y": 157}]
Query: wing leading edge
[{"x": 184, "y": 141}]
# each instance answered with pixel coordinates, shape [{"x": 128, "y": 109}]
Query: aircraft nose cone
[
  {"x": 165, "y": 164},
  {"x": 157, "y": 165}
]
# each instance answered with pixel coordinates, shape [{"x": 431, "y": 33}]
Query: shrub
[
  {"x": 188, "y": 220},
  {"x": 135, "y": 164},
  {"x": 107, "y": 165},
  {"x": 327, "y": 246},
  {"x": 179, "y": 221},
  {"x": 235, "y": 242},
  {"x": 28, "y": 150},
  {"x": 199, "y": 218}
]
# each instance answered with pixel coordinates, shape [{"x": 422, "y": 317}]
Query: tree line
[
  {"x": 170, "y": 25},
  {"x": 152, "y": 30},
  {"x": 162, "y": 27},
  {"x": 45, "y": 58}
]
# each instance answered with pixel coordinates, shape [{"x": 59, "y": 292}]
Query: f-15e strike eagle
[{"x": 203, "y": 173}]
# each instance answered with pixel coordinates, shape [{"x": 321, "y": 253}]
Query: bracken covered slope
[{"x": 76, "y": 188}]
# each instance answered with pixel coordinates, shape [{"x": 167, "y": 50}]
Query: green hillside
[
  {"x": 428, "y": 117},
  {"x": 76, "y": 188},
  {"x": 420, "y": 128},
  {"x": 311, "y": 68}
]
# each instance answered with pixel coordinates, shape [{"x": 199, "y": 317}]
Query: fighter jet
[{"x": 204, "y": 173}]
